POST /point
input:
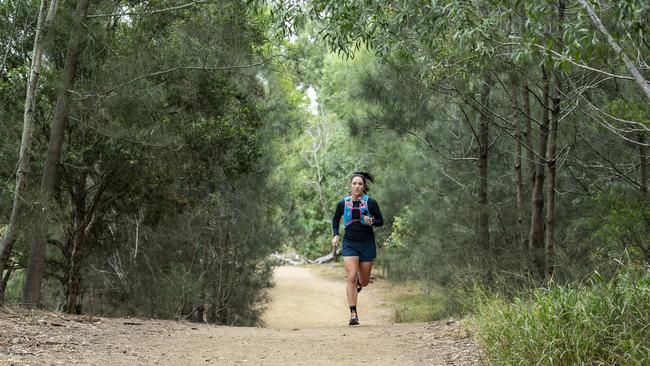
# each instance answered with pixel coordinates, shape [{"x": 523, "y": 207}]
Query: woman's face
[{"x": 357, "y": 186}]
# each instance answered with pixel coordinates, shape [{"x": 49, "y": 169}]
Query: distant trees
[{"x": 530, "y": 83}]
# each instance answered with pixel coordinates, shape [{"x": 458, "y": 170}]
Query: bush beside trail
[{"x": 604, "y": 322}]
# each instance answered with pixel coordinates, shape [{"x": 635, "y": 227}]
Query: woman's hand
[
  {"x": 335, "y": 241},
  {"x": 369, "y": 220}
]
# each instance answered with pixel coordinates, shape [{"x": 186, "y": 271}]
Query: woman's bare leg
[
  {"x": 351, "y": 272},
  {"x": 364, "y": 273}
]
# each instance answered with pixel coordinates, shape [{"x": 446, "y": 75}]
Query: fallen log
[{"x": 327, "y": 258}]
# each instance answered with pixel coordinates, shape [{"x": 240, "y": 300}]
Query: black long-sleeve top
[{"x": 357, "y": 231}]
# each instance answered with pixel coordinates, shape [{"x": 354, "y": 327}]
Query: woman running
[{"x": 360, "y": 213}]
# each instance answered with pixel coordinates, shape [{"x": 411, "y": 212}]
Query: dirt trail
[
  {"x": 320, "y": 337},
  {"x": 308, "y": 297}
]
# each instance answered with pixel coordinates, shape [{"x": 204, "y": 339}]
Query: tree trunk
[
  {"x": 536, "y": 238},
  {"x": 318, "y": 144},
  {"x": 643, "y": 166},
  {"x": 551, "y": 159},
  {"x": 5, "y": 278},
  {"x": 484, "y": 214},
  {"x": 76, "y": 244},
  {"x": 73, "y": 288},
  {"x": 31, "y": 293},
  {"x": 519, "y": 180},
  {"x": 530, "y": 157},
  {"x": 46, "y": 13},
  {"x": 528, "y": 133}
]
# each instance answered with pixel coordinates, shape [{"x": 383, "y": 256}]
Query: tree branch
[
  {"x": 194, "y": 68},
  {"x": 434, "y": 148},
  {"x": 172, "y": 148},
  {"x": 130, "y": 13}
]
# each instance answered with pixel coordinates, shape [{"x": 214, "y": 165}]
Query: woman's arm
[
  {"x": 336, "y": 220},
  {"x": 373, "y": 207}
]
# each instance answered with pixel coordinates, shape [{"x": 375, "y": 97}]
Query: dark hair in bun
[{"x": 367, "y": 177}]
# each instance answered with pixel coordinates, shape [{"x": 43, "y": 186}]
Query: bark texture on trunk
[
  {"x": 483, "y": 200},
  {"x": 519, "y": 180},
  {"x": 528, "y": 133},
  {"x": 46, "y": 13},
  {"x": 75, "y": 244},
  {"x": 536, "y": 237},
  {"x": 32, "y": 291},
  {"x": 530, "y": 157},
  {"x": 551, "y": 159},
  {"x": 643, "y": 166}
]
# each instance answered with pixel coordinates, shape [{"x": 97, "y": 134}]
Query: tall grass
[
  {"x": 603, "y": 322},
  {"x": 420, "y": 307}
]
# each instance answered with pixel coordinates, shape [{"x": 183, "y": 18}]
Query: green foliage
[
  {"x": 628, "y": 21},
  {"x": 613, "y": 227},
  {"x": 319, "y": 159},
  {"x": 206, "y": 165},
  {"x": 601, "y": 322},
  {"x": 322, "y": 147},
  {"x": 172, "y": 140},
  {"x": 425, "y": 306},
  {"x": 629, "y": 110},
  {"x": 212, "y": 258},
  {"x": 433, "y": 57},
  {"x": 14, "y": 291},
  {"x": 17, "y": 27},
  {"x": 189, "y": 147}
]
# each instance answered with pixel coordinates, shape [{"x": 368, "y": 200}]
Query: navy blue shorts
[{"x": 366, "y": 251}]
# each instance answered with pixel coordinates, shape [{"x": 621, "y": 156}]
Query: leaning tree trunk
[
  {"x": 484, "y": 214},
  {"x": 45, "y": 16},
  {"x": 536, "y": 238},
  {"x": 32, "y": 290}
]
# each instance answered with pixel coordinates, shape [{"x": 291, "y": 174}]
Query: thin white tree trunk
[
  {"x": 318, "y": 144},
  {"x": 46, "y": 13}
]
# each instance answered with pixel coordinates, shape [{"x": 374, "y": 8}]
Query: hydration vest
[{"x": 349, "y": 208}]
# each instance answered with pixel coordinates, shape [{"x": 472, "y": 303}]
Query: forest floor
[{"x": 306, "y": 324}]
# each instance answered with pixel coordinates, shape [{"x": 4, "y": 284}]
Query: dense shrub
[{"x": 602, "y": 322}]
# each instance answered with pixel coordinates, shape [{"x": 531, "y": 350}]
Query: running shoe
[{"x": 354, "y": 320}]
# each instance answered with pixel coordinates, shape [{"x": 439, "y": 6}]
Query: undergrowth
[{"x": 598, "y": 322}]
